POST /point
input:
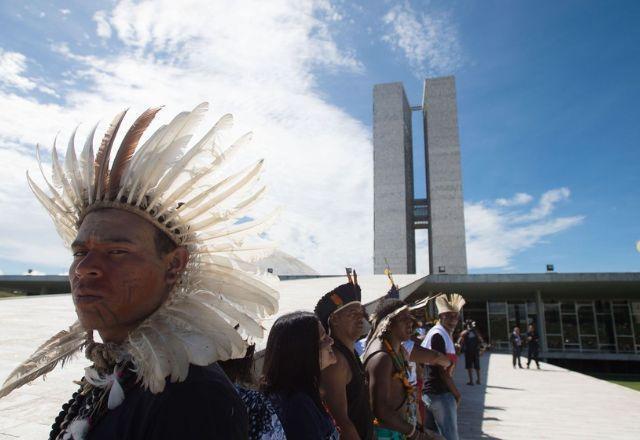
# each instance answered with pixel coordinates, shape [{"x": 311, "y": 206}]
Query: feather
[
  {"x": 71, "y": 166},
  {"x": 252, "y": 227},
  {"x": 190, "y": 184},
  {"x": 56, "y": 194},
  {"x": 154, "y": 364},
  {"x": 223, "y": 123},
  {"x": 248, "y": 254},
  {"x": 86, "y": 164},
  {"x": 243, "y": 178},
  {"x": 229, "y": 342},
  {"x": 102, "y": 157},
  {"x": 217, "y": 302},
  {"x": 56, "y": 211},
  {"x": 59, "y": 349},
  {"x": 226, "y": 215},
  {"x": 127, "y": 148},
  {"x": 242, "y": 286},
  {"x": 58, "y": 176},
  {"x": 177, "y": 136},
  {"x": 134, "y": 175}
]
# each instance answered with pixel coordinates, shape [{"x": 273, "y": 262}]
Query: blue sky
[{"x": 547, "y": 101}]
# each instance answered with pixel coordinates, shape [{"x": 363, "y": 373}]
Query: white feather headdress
[{"x": 221, "y": 297}]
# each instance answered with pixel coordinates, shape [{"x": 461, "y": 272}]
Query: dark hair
[
  {"x": 239, "y": 370},
  {"x": 386, "y": 306},
  {"x": 163, "y": 243},
  {"x": 292, "y": 359}
]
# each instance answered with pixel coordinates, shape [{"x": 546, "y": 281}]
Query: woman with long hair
[{"x": 297, "y": 350}]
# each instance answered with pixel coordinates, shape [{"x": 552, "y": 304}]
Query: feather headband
[
  {"x": 221, "y": 298},
  {"x": 450, "y": 303}
]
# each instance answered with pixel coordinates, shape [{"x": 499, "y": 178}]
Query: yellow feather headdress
[{"x": 222, "y": 296}]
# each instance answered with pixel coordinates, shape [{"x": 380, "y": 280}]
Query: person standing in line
[
  {"x": 441, "y": 392},
  {"x": 471, "y": 341},
  {"x": 344, "y": 384},
  {"x": 516, "y": 346},
  {"x": 393, "y": 399},
  {"x": 532, "y": 345},
  {"x": 298, "y": 349}
]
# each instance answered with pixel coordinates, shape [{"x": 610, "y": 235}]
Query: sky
[{"x": 547, "y": 96}]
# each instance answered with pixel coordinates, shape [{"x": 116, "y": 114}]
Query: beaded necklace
[
  {"x": 401, "y": 367},
  {"x": 89, "y": 403}
]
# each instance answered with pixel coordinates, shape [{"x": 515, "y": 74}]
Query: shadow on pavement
[{"x": 472, "y": 412}]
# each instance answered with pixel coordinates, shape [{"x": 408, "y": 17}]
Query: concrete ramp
[{"x": 550, "y": 403}]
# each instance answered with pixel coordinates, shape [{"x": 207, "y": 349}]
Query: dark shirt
[
  {"x": 302, "y": 419},
  {"x": 533, "y": 342},
  {"x": 516, "y": 341},
  {"x": 471, "y": 342},
  {"x": 434, "y": 383},
  {"x": 204, "y": 406},
  {"x": 358, "y": 406}
]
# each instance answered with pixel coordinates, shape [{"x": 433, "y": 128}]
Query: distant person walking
[
  {"x": 533, "y": 346},
  {"x": 471, "y": 341},
  {"x": 516, "y": 346}
]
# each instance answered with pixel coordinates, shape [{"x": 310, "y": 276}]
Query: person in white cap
[{"x": 442, "y": 395}]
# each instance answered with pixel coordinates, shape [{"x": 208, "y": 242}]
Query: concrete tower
[
  {"x": 396, "y": 213},
  {"x": 394, "y": 237}
]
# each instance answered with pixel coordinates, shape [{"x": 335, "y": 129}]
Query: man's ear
[{"x": 176, "y": 262}]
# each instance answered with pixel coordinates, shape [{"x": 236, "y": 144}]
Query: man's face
[
  {"x": 349, "y": 321},
  {"x": 402, "y": 325},
  {"x": 449, "y": 320},
  {"x": 117, "y": 276}
]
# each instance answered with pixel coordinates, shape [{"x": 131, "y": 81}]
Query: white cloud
[
  {"x": 64, "y": 11},
  {"x": 429, "y": 41},
  {"x": 517, "y": 200},
  {"x": 546, "y": 205},
  {"x": 495, "y": 234},
  {"x": 258, "y": 62},
  {"x": 12, "y": 68},
  {"x": 103, "y": 28}
]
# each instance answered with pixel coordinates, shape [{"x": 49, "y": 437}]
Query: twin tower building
[{"x": 397, "y": 214}]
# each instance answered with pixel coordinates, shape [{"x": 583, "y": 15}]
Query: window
[
  {"x": 552, "y": 318},
  {"x": 622, "y": 319},
  {"x": 589, "y": 343},
  {"x": 498, "y": 330},
  {"x": 602, "y": 306},
  {"x": 568, "y": 307},
  {"x": 497, "y": 307},
  {"x": 635, "y": 315},
  {"x": 625, "y": 344},
  {"x": 605, "y": 330},
  {"x": 586, "y": 319},
  {"x": 570, "y": 329},
  {"x": 554, "y": 342}
]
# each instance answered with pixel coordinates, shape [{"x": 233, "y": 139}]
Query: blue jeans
[{"x": 444, "y": 411}]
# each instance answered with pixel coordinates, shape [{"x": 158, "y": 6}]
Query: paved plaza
[{"x": 551, "y": 403}]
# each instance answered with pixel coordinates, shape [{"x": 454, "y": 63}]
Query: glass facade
[{"x": 571, "y": 326}]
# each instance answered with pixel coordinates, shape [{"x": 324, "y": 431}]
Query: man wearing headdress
[
  {"x": 442, "y": 394},
  {"x": 345, "y": 384},
  {"x": 393, "y": 398},
  {"x": 157, "y": 272}
]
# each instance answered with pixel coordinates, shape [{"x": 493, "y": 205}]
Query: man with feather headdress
[
  {"x": 441, "y": 392},
  {"x": 161, "y": 272}
]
